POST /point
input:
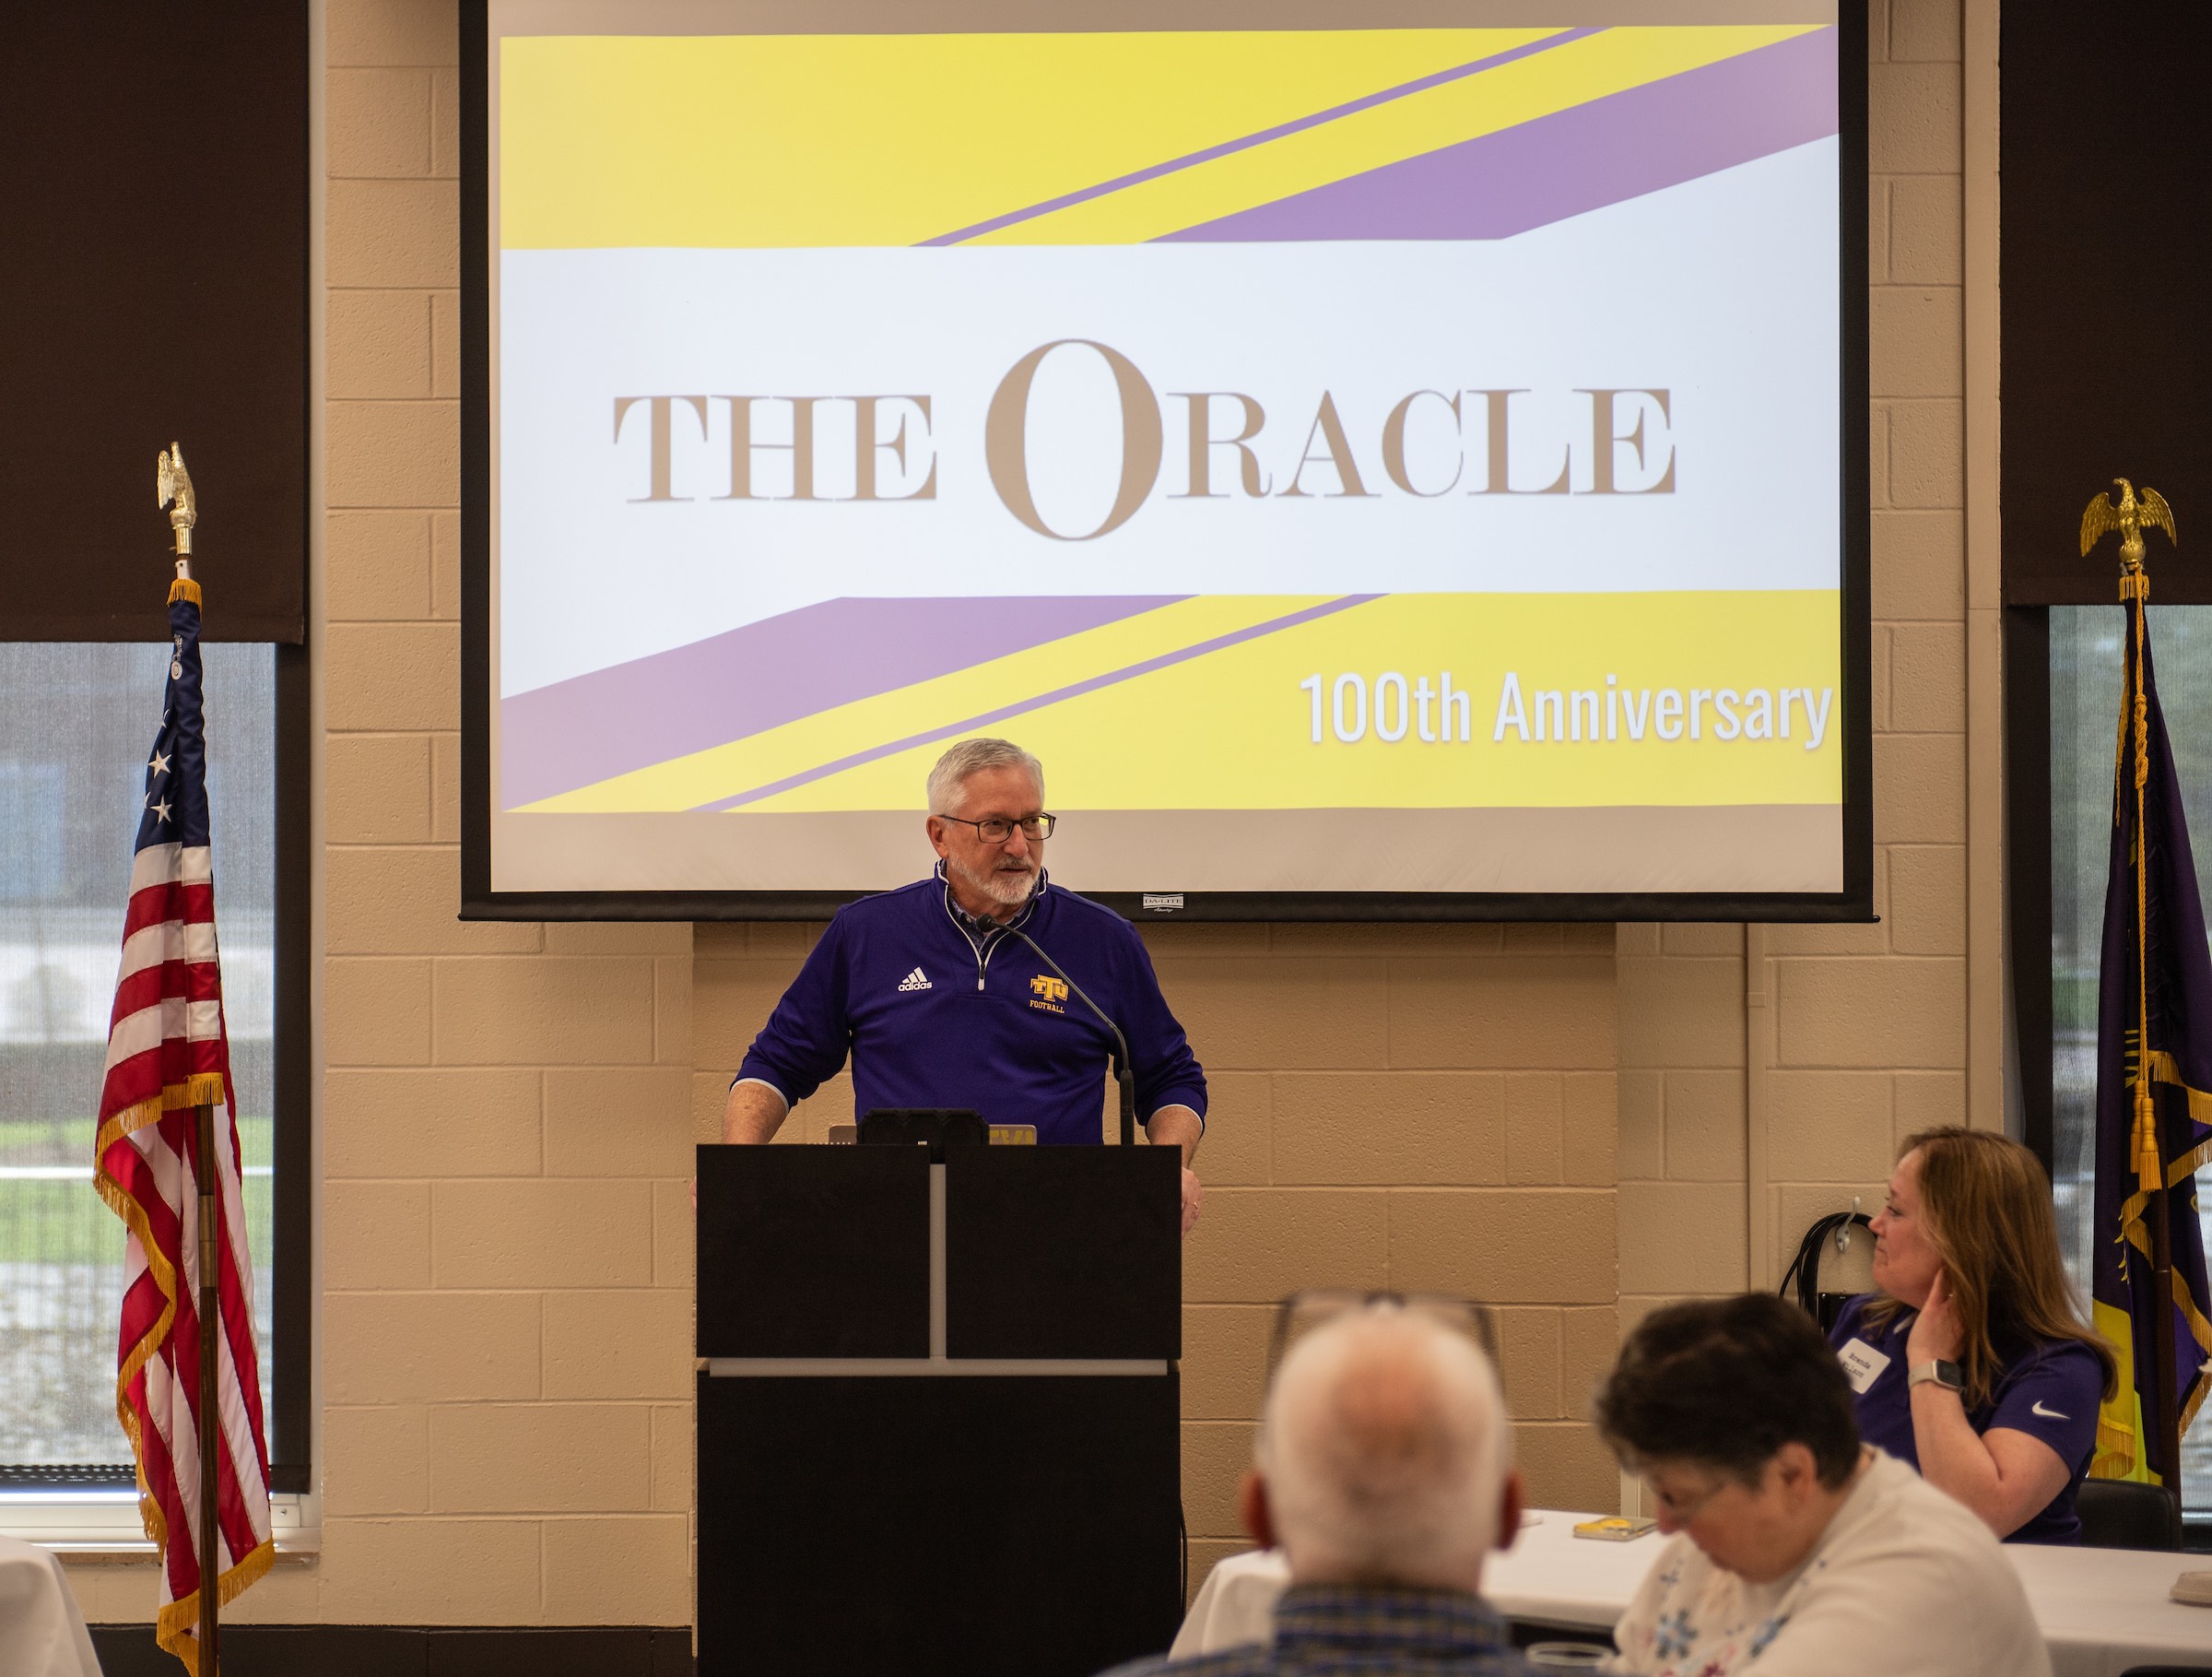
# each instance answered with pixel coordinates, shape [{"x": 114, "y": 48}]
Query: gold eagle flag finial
[
  {"x": 2128, "y": 517},
  {"x": 172, "y": 486}
]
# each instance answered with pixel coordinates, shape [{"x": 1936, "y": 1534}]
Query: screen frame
[{"x": 1853, "y": 904}]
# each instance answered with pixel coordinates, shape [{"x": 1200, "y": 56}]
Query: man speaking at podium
[{"x": 938, "y": 993}]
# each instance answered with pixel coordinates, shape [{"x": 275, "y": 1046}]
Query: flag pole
[
  {"x": 176, "y": 493},
  {"x": 210, "y": 1428},
  {"x": 2150, "y": 1160}
]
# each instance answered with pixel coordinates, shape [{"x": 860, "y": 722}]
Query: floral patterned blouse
[{"x": 1904, "y": 1581}]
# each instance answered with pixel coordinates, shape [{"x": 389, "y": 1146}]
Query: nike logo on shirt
[{"x": 2049, "y": 1414}]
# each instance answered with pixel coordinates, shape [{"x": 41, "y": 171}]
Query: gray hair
[
  {"x": 972, "y": 757},
  {"x": 1385, "y": 1448}
]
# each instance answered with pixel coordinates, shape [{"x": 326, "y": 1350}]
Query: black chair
[{"x": 2121, "y": 1514}]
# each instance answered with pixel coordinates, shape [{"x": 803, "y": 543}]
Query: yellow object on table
[{"x": 1616, "y": 1529}]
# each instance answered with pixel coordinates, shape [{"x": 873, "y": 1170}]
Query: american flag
[{"x": 167, "y": 1054}]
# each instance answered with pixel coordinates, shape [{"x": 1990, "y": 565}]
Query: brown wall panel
[
  {"x": 2107, "y": 243},
  {"x": 153, "y": 288}
]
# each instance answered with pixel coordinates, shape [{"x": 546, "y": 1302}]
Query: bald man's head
[{"x": 1386, "y": 1455}]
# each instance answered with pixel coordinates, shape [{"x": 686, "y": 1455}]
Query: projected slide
[{"x": 1354, "y": 460}]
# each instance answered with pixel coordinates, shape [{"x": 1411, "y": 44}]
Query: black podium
[{"x": 938, "y": 1424}]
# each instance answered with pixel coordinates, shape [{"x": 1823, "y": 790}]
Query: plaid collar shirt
[{"x": 1328, "y": 1630}]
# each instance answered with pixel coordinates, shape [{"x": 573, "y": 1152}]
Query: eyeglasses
[
  {"x": 1301, "y": 1313},
  {"x": 997, "y": 828},
  {"x": 1676, "y": 1509}
]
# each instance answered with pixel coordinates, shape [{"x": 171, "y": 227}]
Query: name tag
[{"x": 1862, "y": 1364}]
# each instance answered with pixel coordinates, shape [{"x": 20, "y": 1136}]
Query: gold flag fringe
[
  {"x": 185, "y": 588},
  {"x": 2119, "y": 1417},
  {"x": 176, "y": 1627}
]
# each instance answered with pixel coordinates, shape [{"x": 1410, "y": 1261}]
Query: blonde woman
[{"x": 1970, "y": 1363}]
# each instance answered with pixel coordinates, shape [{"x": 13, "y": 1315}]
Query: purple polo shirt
[
  {"x": 2049, "y": 1392},
  {"x": 936, "y": 1012}
]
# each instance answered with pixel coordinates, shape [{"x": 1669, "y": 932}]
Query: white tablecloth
[
  {"x": 41, "y": 1633},
  {"x": 2101, "y": 1611},
  {"x": 2104, "y": 1610}
]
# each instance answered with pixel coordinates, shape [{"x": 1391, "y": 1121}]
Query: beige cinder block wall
[
  {"x": 1768, "y": 1075},
  {"x": 507, "y": 1110},
  {"x": 506, "y": 1236}
]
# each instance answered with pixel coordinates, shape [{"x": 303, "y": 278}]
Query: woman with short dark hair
[
  {"x": 1970, "y": 1362},
  {"x": 1795, "y": 1547}
]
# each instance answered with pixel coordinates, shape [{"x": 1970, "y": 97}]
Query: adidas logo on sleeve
[{"x": 913, "y": 980}]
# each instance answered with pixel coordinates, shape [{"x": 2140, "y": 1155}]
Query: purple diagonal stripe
[
  {"x": 553, "y": 740},
  {"x": 1074, "y": 690},
  {"x": 1581, "y": 158},
  {"x": 1296, "y": 126}
]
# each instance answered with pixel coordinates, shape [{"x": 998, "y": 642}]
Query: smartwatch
[{"x": 1945, "y": 1375}]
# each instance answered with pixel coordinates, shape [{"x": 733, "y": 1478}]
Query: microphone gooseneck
[{"x": 1123, "y": 1073}]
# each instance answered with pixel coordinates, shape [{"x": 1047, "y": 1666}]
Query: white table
[
  {"x": 2104, "y": 1610},
  {"x": 2100, "y": 1610},
  {"x": 42, "y": 1631}
]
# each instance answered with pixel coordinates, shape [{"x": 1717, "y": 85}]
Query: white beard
[{"x": 1009, "y": 886}]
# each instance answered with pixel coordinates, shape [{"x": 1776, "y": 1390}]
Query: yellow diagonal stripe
[
  {"x": 818, "y": 140},
  {"x": 1230, "y": 730},
  {"x": 723, "y": 771},
  {"x": 783, "y": 140},
  {"x": 1492, "y": 100}
]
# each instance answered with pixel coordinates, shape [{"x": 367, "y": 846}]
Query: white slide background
[{"x": 1722, "y": 290}]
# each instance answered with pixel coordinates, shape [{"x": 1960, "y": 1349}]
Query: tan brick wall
[
  {"x": 1869, "y": 1036},
  {"x": 505, "y": 1237},
  {"x": 1871, "y": 1021},
  {"x": 1420, "y": 1108},
  {"x": 1553, "y": 1119},
  {"x": 1682, "y": 1112}
]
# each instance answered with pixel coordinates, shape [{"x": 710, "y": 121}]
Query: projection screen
[{"x": 1386, "y": 461}]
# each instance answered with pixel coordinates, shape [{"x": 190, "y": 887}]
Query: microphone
[{"x": 1123, "y": 1073}]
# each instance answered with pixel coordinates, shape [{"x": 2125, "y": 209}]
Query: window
[
  {"x": 76, "y": 719},
  {"x": 2083, "y": 667}
]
